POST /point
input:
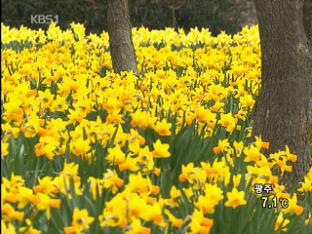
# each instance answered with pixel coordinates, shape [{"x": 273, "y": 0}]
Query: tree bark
[
  {"x": 120, "y": 36},
  {"x": 283, "y": 106},
  {"x": 307, "y": 20}
]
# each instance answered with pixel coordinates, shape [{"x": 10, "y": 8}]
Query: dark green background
[{"x": 217, "y": 15}]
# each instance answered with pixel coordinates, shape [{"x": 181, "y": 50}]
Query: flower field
[{"x": 85, "y": 150}]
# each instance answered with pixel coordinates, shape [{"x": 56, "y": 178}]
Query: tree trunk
[
  {"x": 283, "y": 107},
  {"x": 120, "y": 36},
  {"x": 307, "y": 20}
]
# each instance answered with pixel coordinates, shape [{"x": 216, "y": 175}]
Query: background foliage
[{"x": 217, "y": 15}]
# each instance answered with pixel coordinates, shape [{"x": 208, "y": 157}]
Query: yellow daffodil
[{"x": 235, "y": 198}]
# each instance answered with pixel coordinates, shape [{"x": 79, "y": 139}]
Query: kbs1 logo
[{"x": 43, "y": 19}]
